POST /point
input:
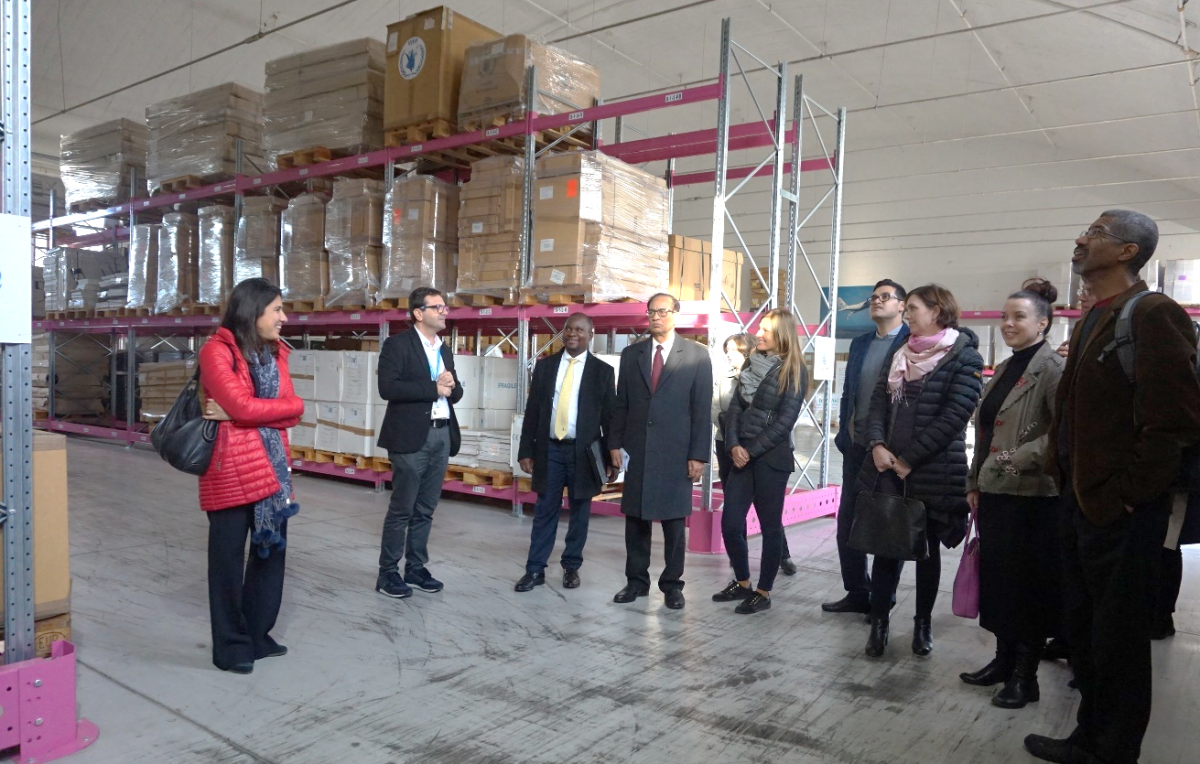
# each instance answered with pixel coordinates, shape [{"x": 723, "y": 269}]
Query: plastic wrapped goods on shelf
[
  {"x": 600, "y": 228},
  {"x": 256, "y": 241},
  {"x": 489, "y": 228},
  {"x": 178, "y": 262},
  {"x": 331, "y": 97},
  {"x": 420, "y": 236},
  {"x": 72, "y": 276},
  {"x": 493, "y": 82},
  {"x": 215, "y": 264},
  {"x": 303, "y": 264},
  {"x": 96, "y": 164},
  {"x": 143, "y": 266},
  {"x": 354, "y": 238},
  {"x": 425, "y": 55},
  {"x": 197, "y": 134}
]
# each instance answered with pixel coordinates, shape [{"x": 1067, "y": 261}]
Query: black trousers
[
  {"x": 855, "y": 578},
  {"x": 637, "y": 552},
  {"x": 724, "y": 468},
  {"x": 885, "y": 578},
  {"x": 762, "y": 485},
  {"x": 243, "y": 596},
  {"x": 1020, "y": 567},
  {"x": 1111, "y": 577}
]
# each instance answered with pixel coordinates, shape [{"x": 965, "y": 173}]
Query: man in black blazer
[
  {"x": 567, "y": 417},
  {"x": 420, "y": 433},
  {"x": 664, "y": 422}
]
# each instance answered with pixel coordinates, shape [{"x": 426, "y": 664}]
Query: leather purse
[
  {"x": 889, "y": 526},
  {"x": 184, "y": 438},
  {"x": 966, "y": 581}
]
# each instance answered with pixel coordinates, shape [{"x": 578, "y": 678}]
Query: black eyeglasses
[
  {"x": 881, "y": 298},
  {"x": 660, "y": 312},
  {"x": 1096, "y": 232},
  {"x": 443, "y": 308}
]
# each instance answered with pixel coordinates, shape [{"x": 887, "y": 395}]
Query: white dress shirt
[
  {"x": 433, "y": 356},
  {"x": 573, "y": 411}
]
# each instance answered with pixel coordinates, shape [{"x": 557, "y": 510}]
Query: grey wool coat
[{"x": 661, "y": 432}]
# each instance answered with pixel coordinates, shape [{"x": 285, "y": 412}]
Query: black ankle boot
[
  {"x": 1022, "y": 687},
  {"x": 922, "y": 636},
  {"x": 999, "y": 670},
  {"x": 877, "y": 642}
]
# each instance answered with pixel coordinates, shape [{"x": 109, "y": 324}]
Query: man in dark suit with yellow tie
[{"x": 563, "y": 445}]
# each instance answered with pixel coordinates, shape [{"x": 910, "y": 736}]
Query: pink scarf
[{"x": 918, "y": 357}]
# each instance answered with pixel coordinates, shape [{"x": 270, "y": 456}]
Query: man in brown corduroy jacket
[{"x": 1119, "y": 448}]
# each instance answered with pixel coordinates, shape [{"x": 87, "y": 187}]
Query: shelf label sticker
[
  {"x": 562, "y": 308},
  {"x": 575, "y": 115},
  {"x": 87, "y": 429},
  {"x": 257, "y": 181},
  {"x": 297, "y": 462},
  {"x": 479, "y": 489},
  {"x": 485, "y": 311},
  {"x": 179, "y": 320},
  {"x": 304, "y": 318},
  {"x": 146, "y": 203},
  {"x": 183, "y": 196},
  {"x": 363, "y": 159},
  {"x": 303, "y": 171},
  {"x": 416, "y": 147},
  {"x": 145, "y": 320},
  {"x": 491, "y": 132},
  {"x": 350, "y": 471},
  {"x": 355, "y": 316},
  {"x": 673, "y": 97}
]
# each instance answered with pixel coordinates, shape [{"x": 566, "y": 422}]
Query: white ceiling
[{"x": 982, "y": 134}]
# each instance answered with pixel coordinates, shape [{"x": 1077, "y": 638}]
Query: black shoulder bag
[
  {"x": 184, "y": 438},
  {"x": 889, "y": 526}
]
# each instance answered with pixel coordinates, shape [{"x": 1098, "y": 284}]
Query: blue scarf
[{"x": 271, "y": 512}]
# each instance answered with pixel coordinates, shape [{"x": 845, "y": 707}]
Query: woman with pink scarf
[{"x": 916, "y": 431}]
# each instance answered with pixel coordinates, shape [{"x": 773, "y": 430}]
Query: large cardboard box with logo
[{"x": 425, "y": 54}]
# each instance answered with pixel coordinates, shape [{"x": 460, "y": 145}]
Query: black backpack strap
[{"x": 1122, "y": 343}]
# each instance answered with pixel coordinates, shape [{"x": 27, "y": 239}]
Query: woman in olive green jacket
[{"x": 1014, "y": 501}]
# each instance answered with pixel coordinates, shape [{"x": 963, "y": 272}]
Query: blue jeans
[{"x": 560, "y": 474}]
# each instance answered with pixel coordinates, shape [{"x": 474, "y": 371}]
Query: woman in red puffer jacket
[{"x": 248, "y": 486}]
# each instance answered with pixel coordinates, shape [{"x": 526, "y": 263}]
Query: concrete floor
[{"x": 481, "y": 674}]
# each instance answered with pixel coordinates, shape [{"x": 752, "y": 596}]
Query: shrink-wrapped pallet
[
  {"x": 420, "y": 236},
  {"x": 197, "y": 134},
  {"x": 256, "y": 242},
  {"x": 178, "y": 262},
  {"x": 98, "y": 163},
  {"x": 489, "y": 228},
  {"x": 353, "y": 238},
  {"x": 72, "y": 276},
  {"x": 215, "y": 264},
  {"x": 143, "y": 265},
  {"x": 331, "y": 97},
  {"x": 493, "y": 84},
  {"x": 600, "y": 229},
  {"x": 303, "y": 264}
]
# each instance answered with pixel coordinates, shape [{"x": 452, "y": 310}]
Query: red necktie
[{"x": 656, "y": 369}]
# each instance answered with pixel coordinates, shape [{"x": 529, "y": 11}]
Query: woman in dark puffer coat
[
  {"x": 916, "y": 432},
  {"x": 758, "y": 435}
]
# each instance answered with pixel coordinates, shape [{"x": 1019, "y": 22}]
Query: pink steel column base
[
  {"x": 704, "y": 528},
  {"x": 37, "y": 708}
]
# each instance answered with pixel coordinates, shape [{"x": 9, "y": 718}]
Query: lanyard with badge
[{"x": 435, "y": 367}]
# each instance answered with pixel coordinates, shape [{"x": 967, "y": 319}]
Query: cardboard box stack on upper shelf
[
  {"x": 159, "y": 383},
  {"x": 256, "y": 241},
  {"x": 493, "y": 82},
  {"x": 178, "y": 262},
  {"x": 600, "y": 228},
  {"x": 303, "y": 263},
  {"x": 331, "y": 97},
  {"x": 420, "y": 236},
  {"x": 489, "y": 228},
  {"x": 215, "y": 254},
  {"x": 114, "y": 292},
  {"x": 72, "y": 276},
  {"x": 143, "y": 265},
  {"x": 196, "y": 135},
  {"x": 758, "y": 290},
  {"x": 690, "y": 262},
  {"x": 425, "y": 55},
  {"x": 354, "y": 238},
  {"x": 97, "y": 164}
]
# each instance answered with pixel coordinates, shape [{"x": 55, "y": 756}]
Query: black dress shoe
[
  {"x": 629, "y": 594},
  {"x": 570, "y": 579},
  {"x": 999, "y": 670},
  {"x": 755, "y": 603},
  {"x": 922, "y": 643},
  {"x": 1056, "y": 650},
  {"x": 278, "y": 651},
  {"x": 246, "y": 667},
  {"x": 527, "y": 582},
  {"x": 787, "y": 566},
  {"x": 674, "y": 599},
  {"x": 734, "y": 591},
  {"x": 847, "y": 604},
  {"x": 1061, "y": 751},
  {"x": 877, "y": 641}
]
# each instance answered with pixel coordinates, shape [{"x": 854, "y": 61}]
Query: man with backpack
[{"x": 1121, "y": 441}]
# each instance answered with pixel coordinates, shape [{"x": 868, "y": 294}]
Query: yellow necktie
[{"x": 562, "y": 414}]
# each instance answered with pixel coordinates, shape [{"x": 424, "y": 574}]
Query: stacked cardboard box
[
  {"x": 38, "y": 287},
  {"x": 489, "y": 228},
  {"x": 178, "y": 262},
  {"x": 420, "y": 236},
  {"x": 99, "y": 163},
  {"x": 256, "y": 241},
  {"x": 113, "y": 292},
  {"x": 354, "y": 239},
  {"x": 425, "y": 54},
  {"x": 215, "y": 254},
  {"x": 331, "y": 97},
  {"x": 340, "y": 390},
  {"x": 600, "y": 228},
  {"x": 690, "y": 265},
  {"x": 40, "y": 364},
  {"x": 197, "y": 134},
  {"x": 159, "y": 384},
  {"x": 143, "y": 265},
  {"x": 489, "y": 391},
  {"x": 484, "y": 449},
  {"x": 303, "y": 263},
  {"x": 493, "y": 83},
  {"x": 72, "y": 276},
  {"x": 81, "y": 368},
  {"x": 758, "y": 290}
]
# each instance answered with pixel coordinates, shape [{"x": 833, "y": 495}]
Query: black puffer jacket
[
  {"x": 764, "y": 427},
  {"x": 937, "y": 453}
]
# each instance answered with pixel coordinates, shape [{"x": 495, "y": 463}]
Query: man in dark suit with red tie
[{"x": 664, "y": 422}]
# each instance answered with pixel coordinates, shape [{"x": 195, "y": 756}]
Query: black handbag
[
  {"x": 184, "y": 438},
  {"x": 891, "y": 526}
]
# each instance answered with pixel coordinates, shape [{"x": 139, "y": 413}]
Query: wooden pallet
[
  {"x": 580, "y": 139},
  {"x": 90, "y": 205},
  {"x": 540, "y": 297},
  {"x": 302, "y": 452},
  {"x": 204, "y": 310},
  {"x": 179, "y": 185},
  {"x": 116, "y": 313},
  {"x": 144, "y": 311},
  {"x": 478, "y": 476},
  {"x": 418, "y": 133},
  {"x": 400, "y": 303},
  {"x": 47, "y": 631},
  {"x": 480, "y": 301},
  {"x": 347, "y": 308},
  {"x": 56, "y": 315},
  {"x": 74, "y": 314},
  {"x": 303, "y": 157},
  {"x": 304, "y": 306}
]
